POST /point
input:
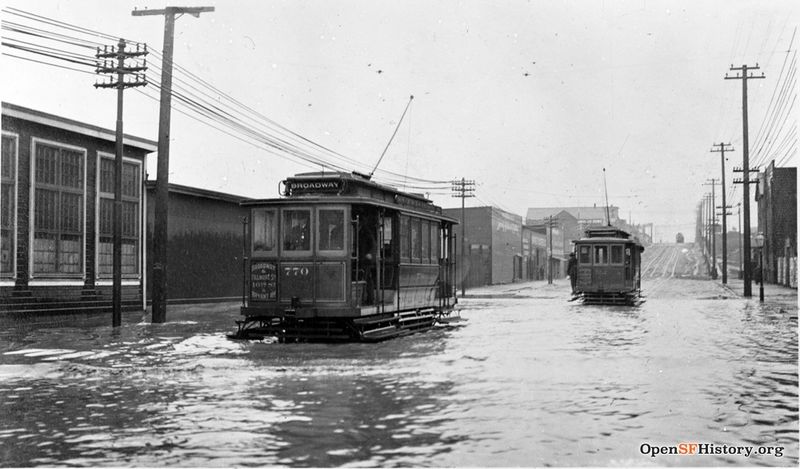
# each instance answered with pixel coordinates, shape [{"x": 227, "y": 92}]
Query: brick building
[
  {"x": 56, "y": 205},
  {"x": 776, "y": 196}
]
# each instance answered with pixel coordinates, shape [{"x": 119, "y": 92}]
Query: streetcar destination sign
[{"x": 295, "y": 187}]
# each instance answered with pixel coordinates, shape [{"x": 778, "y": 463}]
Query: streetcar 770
[{"x": 343, "y": 258}]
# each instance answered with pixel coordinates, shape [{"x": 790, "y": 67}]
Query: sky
[{"x": 531, "y": 99}]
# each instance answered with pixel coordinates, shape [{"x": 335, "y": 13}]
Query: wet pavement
[{"x": 528, "y": 380}]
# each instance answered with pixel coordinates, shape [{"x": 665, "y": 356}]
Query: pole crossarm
[{"x": 194, "y": 11}]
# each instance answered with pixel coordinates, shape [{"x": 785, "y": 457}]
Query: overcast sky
[{"x": 531, "y": 99}]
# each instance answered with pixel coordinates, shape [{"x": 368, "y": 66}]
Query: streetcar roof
[
  {"x": 345, "y": 200},
  {"x": 606, "y": 240},
  {"x": 351, "y": 188}
]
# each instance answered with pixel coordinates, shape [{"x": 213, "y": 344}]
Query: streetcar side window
[
  {"x": 434, "y": 242},
  {"x": 405, "y": 238},
  {"x": 600, "y": 255},
  {"x": 297, "y": 230},
  {"x": 416, "y": 239},
  {"x": 386, "y": 233},
  {"x": 264, "y": 230},
  {"x": 330, "y": 231},
  {"x": 616, "y": 254},
  {"x": 426, "y": 242}
]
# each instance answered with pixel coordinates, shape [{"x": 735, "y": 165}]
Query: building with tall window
[{"x": 56, "y": 204}]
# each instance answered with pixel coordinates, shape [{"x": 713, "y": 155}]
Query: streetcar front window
[
  {"x": 264, "y": 229},
  {"x": 601, "y": 255},
  {"x": 331, "y": 230},
  {"x": 296, "y": 230},
  {"x": 585, "y": 255},
  {"x": 616, "y": 254}
]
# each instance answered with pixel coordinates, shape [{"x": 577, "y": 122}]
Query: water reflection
[{"x": 524, "y": 383}]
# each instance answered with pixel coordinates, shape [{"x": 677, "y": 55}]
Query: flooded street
[{"x": 528, "y": 380}]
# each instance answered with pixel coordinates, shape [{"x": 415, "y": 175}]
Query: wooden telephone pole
[
  {"x": 723, "y": 147},
  {"x": 120, "y": 69},
  {"x": 463, "y": 188},
  {"x": 160, "y": 232},
  {"x": 748, "y": 274}
]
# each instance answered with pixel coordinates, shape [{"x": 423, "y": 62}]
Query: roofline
[
  {"x": 346, "y": 200},
  {"x": 39, "y": 117},
  {"x": 359, "y": 178},
  {"x": 197, "y": 192}
]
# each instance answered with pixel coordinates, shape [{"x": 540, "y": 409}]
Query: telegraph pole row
[
  {"x": 120, "y": 69},
  {"x": 722, "y": 148},
  {"x": 713, "y": 213},
  {"x": 744, "y": 76},
  {"x": 739, "y": 211},
  {"x": 744, "y": 241},
  {"x": 160, "y": 232},
  {"x": 463, "y": 188}
]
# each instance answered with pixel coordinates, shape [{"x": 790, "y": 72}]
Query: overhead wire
[{"x": 210, "y": 112}]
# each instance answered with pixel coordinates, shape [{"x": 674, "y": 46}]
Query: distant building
[
  {"x": 56, "y": 206},
  {"x": 493, "y": 245},
  {"x": 777, "y": 221},
  {"x": 559, "y": 239},
  {"x": 585, "y": 216},
  {"x": 534, "y": 252},
  {"x": 206, "y": 242}
]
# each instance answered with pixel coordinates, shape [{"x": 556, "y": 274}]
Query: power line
[{"x": 236, "y": 106}]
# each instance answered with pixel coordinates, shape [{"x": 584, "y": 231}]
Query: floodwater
[{"x": 530, "y": 380}]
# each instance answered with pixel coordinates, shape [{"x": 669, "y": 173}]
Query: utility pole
[
  {"x": 724, "y": 214},
  {"x": 748, "y": 274},
  {"x": 723, "y": 147},
  {"x": 550, "y": 225},
  {"x": 739, "y": 210},
  {"x": 703, "y": 224},
  {"x": 120, "y": 69},
  {"x": 744, "y": 241},
  {"x": 463, "y": 189},
  {"x": 709, "y": 224},
  {"x": 160, "y": 232},
  {"x": 713, "y": 212}
]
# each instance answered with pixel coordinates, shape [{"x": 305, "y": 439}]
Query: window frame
[
  {"x": 315, "y": 224},
  {"x": 32, "y": 273},
  {"x": 311, "y": 232},
  {"x": 12, "y": 274},
  {"x": 590, "y": 254},
  {"x": 621, "y": 254},
  {"x": 425, "y": 240},
  {"x": 435, "y": 241},
  {"x": 140, "y": 202},
  {"x": 595, "y": 251},
  {"x": 404, "y": 238},
  {"x": 276, "y": 232},
  {"x": 416, "y": 240}
]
